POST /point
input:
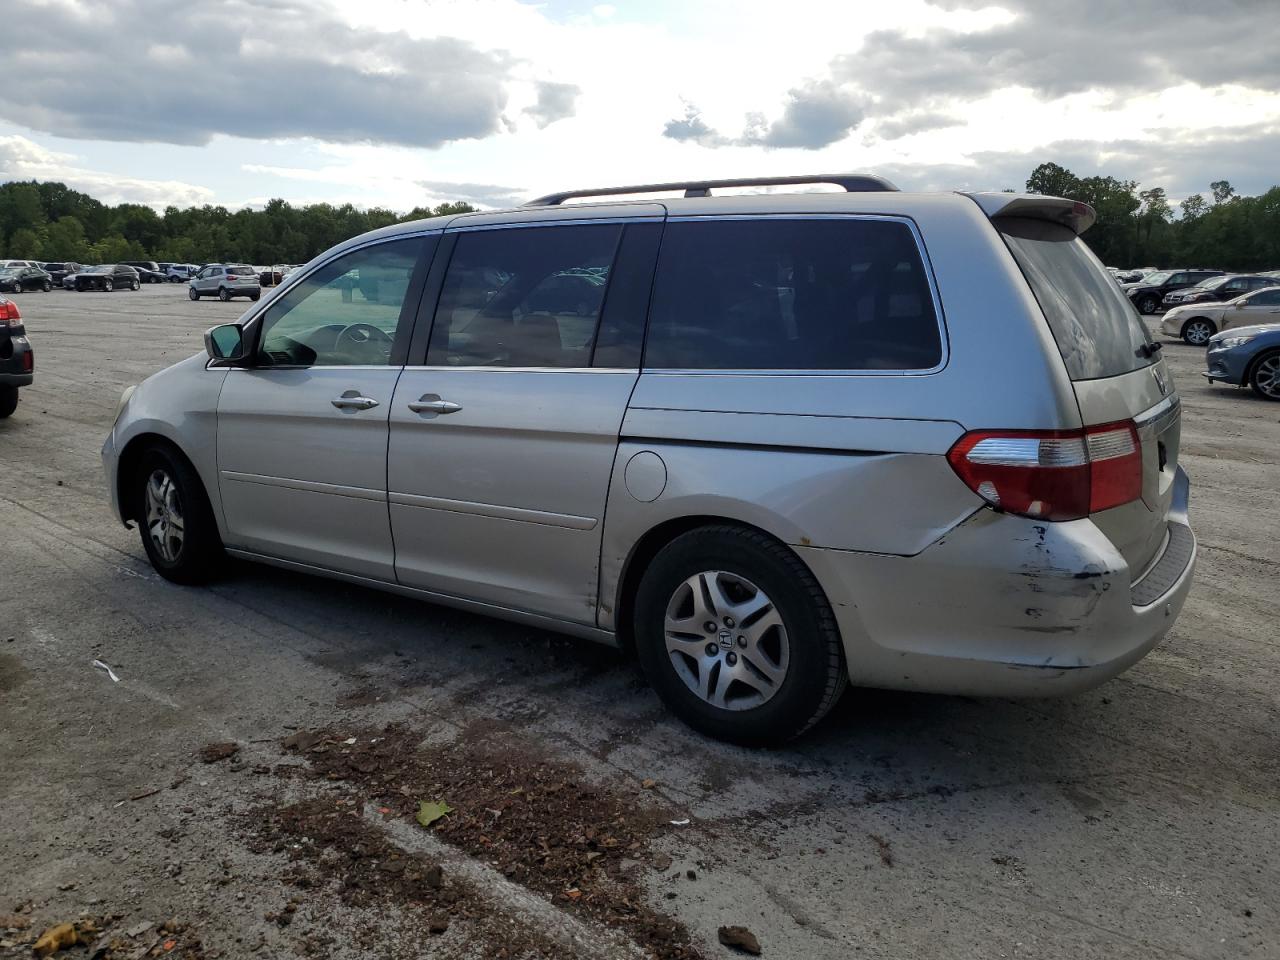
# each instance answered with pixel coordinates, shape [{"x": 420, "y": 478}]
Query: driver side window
[{"x": 346, "y": 313}]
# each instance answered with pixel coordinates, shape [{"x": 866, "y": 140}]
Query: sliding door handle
[
  {"x": 431, "y": 403},
  {"x": 351, "y": 400}
]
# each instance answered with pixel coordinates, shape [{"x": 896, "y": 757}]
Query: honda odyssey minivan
[{"x": 770, "y": 444}]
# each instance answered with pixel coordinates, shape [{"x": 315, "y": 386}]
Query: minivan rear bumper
[{"x": 1005, "y": 606}]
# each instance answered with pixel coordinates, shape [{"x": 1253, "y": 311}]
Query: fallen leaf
[
  {"x": 740, "y": 938},
  {"x": 55, "y": 939},
  {"x": 213, "y": 752},
  {"x": 648, "y": 784},
  {"x": 429, "y": 813}
]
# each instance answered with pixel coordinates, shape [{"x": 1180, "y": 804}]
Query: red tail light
[
  {"x": 29, "y": 361},
  {"x": 1052, "y": 474},
  {"x": 9, "y": 312}
]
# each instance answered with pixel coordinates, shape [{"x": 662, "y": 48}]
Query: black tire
[
  {"x": 255, "y": 297},
  {"x": 815, "y": 673},
  {"x": 224, "y": 294},
  {"x": 1197, "y": 331},
  {"x": 192, "y": 294},
  {"x": 198, "y": 557},
  {"x": 1148, "y": 304},
  {"x": 1262, "y": 375},
  {"x": 134, "y": 285},
  {"x": 8, "y": 401},
  {"x": 46, "y": 286},
  {"x": 108, "y": 285}
]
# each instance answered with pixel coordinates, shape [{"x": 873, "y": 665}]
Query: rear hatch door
[{"x": 1116, "y": 369}]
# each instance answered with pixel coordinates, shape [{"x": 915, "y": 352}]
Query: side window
[
  {"x": 770, "y": 293},
  {"x": 1178, "y": 278},
  {"x": 346, "y": 313},
  {"x": 1237, "y": 286},
  {"x": 523, "y": 297},
  {"x": 1268, "y": 298}
]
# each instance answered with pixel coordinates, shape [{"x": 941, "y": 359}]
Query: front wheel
[
  {"x": 223, "y": 294},
  {"x": 174, "y": 518},
  {"x": 1198, "y": 331},
  {"x": 737, "y": 637},
  {"x": 134, "y": 285},
  {"x": 8, "y": 401},
  {"x": 1148, "y": 304},
  {"x": 1265, "y": 378},
  {"x": 46, "y": 286},
  {"x": 108, "y": 286},
  {"x": 191, "y": 293}
]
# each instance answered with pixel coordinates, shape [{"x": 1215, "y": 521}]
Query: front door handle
[
  {"x": 431, "y": 403},
  {"x": 351, "y": 400}
]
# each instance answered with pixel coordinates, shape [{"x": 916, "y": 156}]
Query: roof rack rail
[{"x": 852, "y": 182}]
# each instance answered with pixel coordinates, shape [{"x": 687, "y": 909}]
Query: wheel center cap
[{"x": 726, "y": 640}]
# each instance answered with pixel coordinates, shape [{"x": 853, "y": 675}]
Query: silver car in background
[
  {"x": 224, "y": 281},
  {"x": 770, "y": 443}
]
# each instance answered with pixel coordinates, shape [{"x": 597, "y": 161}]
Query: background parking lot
[{"x": 1137, "y": 820}]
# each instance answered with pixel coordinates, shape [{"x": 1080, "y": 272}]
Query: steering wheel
[{"x": 359, "y": 335}]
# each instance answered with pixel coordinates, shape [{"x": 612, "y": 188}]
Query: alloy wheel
[
  {"x": 165, "y": 523},
  {"x": 1198, "y": 332},
  {"x": 726, "y": 640},
  {"x": 1267, "y": 377},
  {"x": 108, "y": 286}
]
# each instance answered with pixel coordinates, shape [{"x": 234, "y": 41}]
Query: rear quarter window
[
  {"x": 792, "y": 294},
  {"x": 1098, "y": 332}
]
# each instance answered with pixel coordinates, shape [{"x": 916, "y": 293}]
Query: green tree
[
  {"x": 65, "y": 240},
  {"x": 1222, "y": 191},
  {"x": 25, "y": 244},
  {"x": 1052, "y": 180},
  {"x": 1192, "y": 207}
]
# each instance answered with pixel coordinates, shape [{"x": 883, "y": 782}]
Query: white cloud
[{"x": 23, "y": 159}]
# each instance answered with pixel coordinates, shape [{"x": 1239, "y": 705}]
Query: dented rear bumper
[{"x": 1005, "y": 606}]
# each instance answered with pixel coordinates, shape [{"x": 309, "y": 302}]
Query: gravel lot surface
[{"x": 1139, "y": 820}]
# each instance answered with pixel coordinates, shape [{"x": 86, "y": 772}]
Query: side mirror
[
  {"x": 225, "y": 342},
  {"x": 1240, "y": 305}
]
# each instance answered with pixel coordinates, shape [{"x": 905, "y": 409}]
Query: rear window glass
[
  {"x": 839, "y": 294},
  {"x": 242, "y": 271},
  {"x": 1097, "y": 330}
]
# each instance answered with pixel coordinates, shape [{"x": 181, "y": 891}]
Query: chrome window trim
[
  {"x": 1161, "y": 411},
  {"x": 557, "y": 222},
  {"x": 427, "y": 368},
  {"x": 939, "y": 316}
]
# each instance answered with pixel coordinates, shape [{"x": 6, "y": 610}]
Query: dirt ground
[{"x": 1138, "y": 820}]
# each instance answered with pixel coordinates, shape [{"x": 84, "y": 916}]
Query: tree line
[
  {"x": 1139, "y": 228},
  {"x": 1135, "y": 228},
  {"x": 49, "y": 221}
]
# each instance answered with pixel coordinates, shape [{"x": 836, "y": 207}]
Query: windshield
[
  {"x": 1156, "y": 278},
  {"x": 102, "y": 269},
  {"x": 1212, "y": 283},
  {"x": 9, "y": 272},
  {"x": 1096, "y": 328}
]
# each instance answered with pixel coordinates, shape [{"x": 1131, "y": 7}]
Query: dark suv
[
  {"x": 1226, "y": 287},
  {"x": 17, "y": 362},
  {"x": 108, "y": 277},
  {"x": 1148, "y": 294}
]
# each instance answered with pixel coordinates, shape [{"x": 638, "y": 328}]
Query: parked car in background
[
  {"x": 1130, "y": 276},
  {"x": 225, "y": 280},
  {"x": 18, "y": 279},
  {"x": 1226, "y": 287},
  {"x": 59, "y": 271},
  {"x": 1195, "y": 323},
  {"x": 1148, "y": 293},
  {"x": 181, "y": 272},
  {"x": 18, "y": 263},
  {"x": 146, "y": 270},
  {"x": 448, "y": 408},
  {"x": 271, "y": 276},
  {"x": 107, "y": 276},
  {"x": 17, "y": 361},
  {"x": 1248, "y": 356}
]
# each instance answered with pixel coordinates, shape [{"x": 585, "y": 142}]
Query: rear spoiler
[{"x": 1078, "y": 216}]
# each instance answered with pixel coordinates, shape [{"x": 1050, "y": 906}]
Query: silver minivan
[{"x": 772, "y": 443}]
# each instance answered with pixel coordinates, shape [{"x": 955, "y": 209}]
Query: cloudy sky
[{"x": 406, "y": 102}]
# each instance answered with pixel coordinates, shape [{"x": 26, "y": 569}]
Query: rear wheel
[
  {"x": 737, "y": 637},
  {"x": 223, "y": 294},
  {"x": 192, "y": 294},
  {"x": 1265, "y": 376},
  {"x": 8, "y": 401},
  {"x": 174, "y": 518},
  {"x": 1197, "y": 331},
  {"x": 254, "y": 297}
]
